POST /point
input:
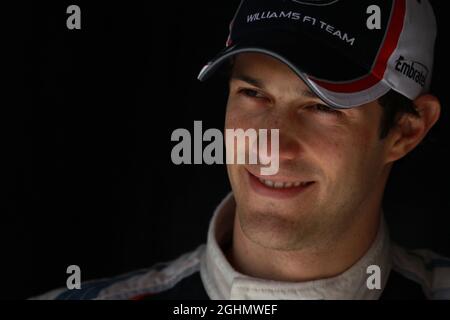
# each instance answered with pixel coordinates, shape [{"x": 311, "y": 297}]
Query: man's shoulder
[
  {"x": 425, "y": 267},
  {"x": 160, "y": 278}
]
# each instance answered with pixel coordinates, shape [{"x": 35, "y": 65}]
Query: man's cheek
[{"x": 236, "y": 175}]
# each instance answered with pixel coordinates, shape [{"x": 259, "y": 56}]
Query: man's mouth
[
  {"x": 282, "y": 185},
  {"x": 279, "y": 188}
]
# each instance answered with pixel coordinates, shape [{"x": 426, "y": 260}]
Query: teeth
[
  {"x": 279, "y": 185},
  {"x": 268, "y": 183},
  {"x": 282, "y": 185}
]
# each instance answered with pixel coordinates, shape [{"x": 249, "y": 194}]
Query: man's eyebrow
[
  {"x": 260, "y": 84},
  {"x": 309, "y": 94},
  {"x": 253, "y": 81}
]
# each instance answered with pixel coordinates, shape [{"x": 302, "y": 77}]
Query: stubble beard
[{"x": 272, "y": 230}]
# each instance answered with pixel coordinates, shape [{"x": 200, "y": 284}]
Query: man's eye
[
  {"x": 323, "y": 108},
  {"x": 251, "y": 93}
]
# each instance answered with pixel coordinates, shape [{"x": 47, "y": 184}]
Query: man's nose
[{"x": 288, "y": 146}]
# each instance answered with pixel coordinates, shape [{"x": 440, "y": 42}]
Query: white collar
[{"x": 222, "y": 282}]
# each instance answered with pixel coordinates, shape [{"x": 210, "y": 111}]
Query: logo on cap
[
  {"x": 412, "y": 69},
  {"x": 316, "y": 2}
]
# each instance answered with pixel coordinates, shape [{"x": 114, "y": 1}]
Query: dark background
[{"x": 88, "y": 178}]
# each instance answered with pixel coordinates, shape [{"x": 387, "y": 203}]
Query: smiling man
[
  {"x": 345, "y": 111},
  {"x": 318, "y": 229}
]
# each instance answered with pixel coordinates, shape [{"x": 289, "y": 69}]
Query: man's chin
[
  {"x": 289, "y": 212},
  {"x": 274, "y": 230}
]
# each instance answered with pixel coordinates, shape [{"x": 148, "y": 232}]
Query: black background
[{"x": 88, "y": 177}]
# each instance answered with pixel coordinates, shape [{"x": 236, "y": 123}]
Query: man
[{"x": 346, "y": 83}]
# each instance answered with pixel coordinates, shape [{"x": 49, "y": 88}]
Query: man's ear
[{"x": 410, "y": 130}]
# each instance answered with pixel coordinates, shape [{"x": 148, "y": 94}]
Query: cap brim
[{"x": 310, "y": 63}]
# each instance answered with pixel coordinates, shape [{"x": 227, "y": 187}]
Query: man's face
[{"x": 337, "y": 157}]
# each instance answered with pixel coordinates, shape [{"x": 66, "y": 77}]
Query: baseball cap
[{"x": 348, "y": 52}]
